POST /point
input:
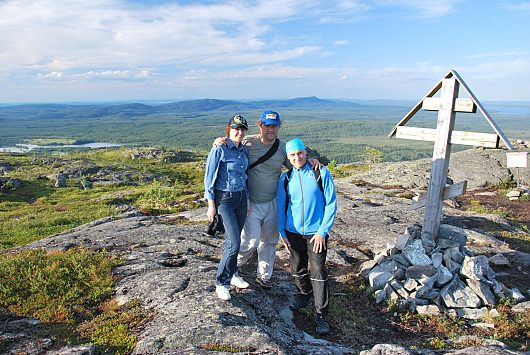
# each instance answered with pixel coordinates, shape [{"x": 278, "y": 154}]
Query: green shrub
[
  {"x": 55, "y": 287},
  {"x": 113, "y": 330}
]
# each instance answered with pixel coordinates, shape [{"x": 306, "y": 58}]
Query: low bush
[{"x": 55, "y": 287}]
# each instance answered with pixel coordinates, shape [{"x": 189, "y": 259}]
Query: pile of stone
[{"x": 432, "y": 277}]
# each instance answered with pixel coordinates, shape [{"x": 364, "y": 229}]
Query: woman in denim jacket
[{"x": 225, "y": 185}]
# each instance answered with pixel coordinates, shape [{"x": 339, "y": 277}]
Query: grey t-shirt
[{"x": 263, "y": 178}]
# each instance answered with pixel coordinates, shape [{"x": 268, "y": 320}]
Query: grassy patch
[
  {"x": 166, "y": 183},
  {"x": 55, "y": 287},
  {"x": 37, "y": 211},
  {"x": 113, "y": 331},
  {"x": 70, "y": 292},
  {"x": 227, "y": 348},
  {"x": 344, "y": 170},
  {"x": 476, "y": 206}
]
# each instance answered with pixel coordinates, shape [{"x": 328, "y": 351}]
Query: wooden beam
[
  {"x": 450, "y": 191},
  {"x": 440, "y": 162},
  {"x": 461, "y": 105},
  {"x": 476, "y": 139},
  {"x": 492, "y": 123},
  {"x": 416, "y": 108}
]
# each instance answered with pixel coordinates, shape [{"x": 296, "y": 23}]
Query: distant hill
[{"x": 55, "y": 111}]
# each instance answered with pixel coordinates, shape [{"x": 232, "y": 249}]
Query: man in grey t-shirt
[{"x": 260, "y": 232}]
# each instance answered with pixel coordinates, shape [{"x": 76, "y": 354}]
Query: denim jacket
[{"x": 226, "y": 169}]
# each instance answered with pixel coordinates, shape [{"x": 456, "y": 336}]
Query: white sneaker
[
  {"x": 238, "y": 282},
  {"x": 223, "y": 292}
]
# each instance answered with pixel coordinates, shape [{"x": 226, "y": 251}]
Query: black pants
[{"x": 316, "y": 282}]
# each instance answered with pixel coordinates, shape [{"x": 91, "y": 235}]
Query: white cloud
[
  {"x": 50, "y": 35},
  {"x": 521, "y": 6},
  {"x": 429, "y": 8},
  {"x": 105, "y": 74},
  {"x": 341, "y": 42},
  {"x": 505, "y": 53}
]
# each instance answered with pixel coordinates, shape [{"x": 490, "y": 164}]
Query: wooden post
[
  {"x": 443, "y": 136},
  {"x": 440, "y": 161}
]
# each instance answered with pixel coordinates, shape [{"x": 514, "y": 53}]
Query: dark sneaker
[
  {"x": 264, "y": 283},
  {"x": 301, "y": 301},
  {"x": 322, "y": 326}
]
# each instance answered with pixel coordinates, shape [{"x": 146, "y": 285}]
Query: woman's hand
[
  {"x": 286, "y": 244},
  {"x": 211, "y": 210}
]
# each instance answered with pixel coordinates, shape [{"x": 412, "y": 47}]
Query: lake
[{"x": 24, "y": 148}]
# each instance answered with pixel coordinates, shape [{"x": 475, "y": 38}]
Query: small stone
[
  {"x": 483, "y": 290},
  {"x": 452, "y": 233},
  {"x": 513, "y": 193},
  {"x": 494, "y": 313},
  {"x": 410, "y": 285},
  {"x": 429, "y": 310},
  {"x": 386, "y": 349},
  {"x": 483, "y": 325},
  {"x": 472, "y": 313},
  {"x": 443, "y": 276},
  {"x": 400, "y": 259},
  {"x": 436, "y": 259},
  {"x": 516, "y": 295},
  {"x": 402, "y": 241},
  {"x": 522, "y": 307},
  {"x": 499, "y": 260},
  {"x": 415, "y": 254},
  {"x": 366, "y": 267},
  {"x": 428, "y": 280},
  {"x": 378, "y": 279},
  {"x": 457, "y": 295},
  {"x": 399, "y": 289},
  {"x": 477, "y": 268},
  {"x": 420, "y": 271},
  {"x": 380, "y": 296},
  {"x": 456, "y": 255}
]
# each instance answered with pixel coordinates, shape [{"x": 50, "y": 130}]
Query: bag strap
[{"x": 267, "y": 155}]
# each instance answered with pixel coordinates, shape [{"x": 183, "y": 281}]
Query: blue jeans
[{"x": 232, "y": 207}]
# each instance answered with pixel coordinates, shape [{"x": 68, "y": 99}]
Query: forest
[{"x": 338, "y": 129}]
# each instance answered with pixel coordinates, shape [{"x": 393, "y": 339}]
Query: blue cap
[
  {"x": 270, "y": 117},
  {"x": 294, "y": 144}
]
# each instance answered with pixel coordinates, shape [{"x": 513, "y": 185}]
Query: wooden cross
[{"x": 443, "y": 136}]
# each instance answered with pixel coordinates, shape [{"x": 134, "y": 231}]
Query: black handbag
[{"x": 216, "y": 226}]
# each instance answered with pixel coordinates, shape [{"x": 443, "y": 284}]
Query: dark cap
[{"x": 238, "y": 121}]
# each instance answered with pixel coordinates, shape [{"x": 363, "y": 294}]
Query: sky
[{"x": 134, "y": 50}]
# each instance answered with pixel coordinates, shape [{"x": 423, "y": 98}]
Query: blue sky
[{"x": 107, "y": 50}]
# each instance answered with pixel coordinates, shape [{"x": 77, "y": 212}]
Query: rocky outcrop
[{"x": 169, "y": 267}]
